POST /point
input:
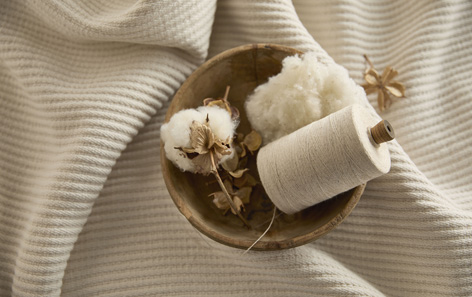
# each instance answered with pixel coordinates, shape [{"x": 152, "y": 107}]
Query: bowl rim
[{"x": 204, "y": 228}]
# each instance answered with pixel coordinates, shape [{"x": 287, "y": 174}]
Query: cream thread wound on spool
[{"x": 324, "y": 158}]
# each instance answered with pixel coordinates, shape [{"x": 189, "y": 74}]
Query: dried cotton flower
[
  {"x": 192, "y": 133},
  {"x": 198, "y": 140},
  {"x": 383, "y": 84}
]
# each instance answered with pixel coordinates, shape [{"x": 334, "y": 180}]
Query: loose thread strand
[{"x": 263, "y": 234}]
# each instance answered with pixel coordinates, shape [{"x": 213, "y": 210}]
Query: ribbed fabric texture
[{"x": 83, "y": 207}]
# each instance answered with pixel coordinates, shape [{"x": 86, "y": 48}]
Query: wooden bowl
[{"x": 244, "y": 68}]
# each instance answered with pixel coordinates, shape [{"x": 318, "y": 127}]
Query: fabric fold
[{"x": 84, "y": 87}]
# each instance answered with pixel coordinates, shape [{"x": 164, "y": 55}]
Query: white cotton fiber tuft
[
  {"x": 305, "y": 91},
  {"x": 220, "y": 121},
  {"x": 176, "y": 133}
]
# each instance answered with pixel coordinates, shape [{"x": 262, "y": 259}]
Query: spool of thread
[{"x": 324, "y": 158}]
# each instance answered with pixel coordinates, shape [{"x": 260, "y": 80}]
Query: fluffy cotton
[
  {"x": 176, "y": 133},
  {"x": 304, "y": 91}
]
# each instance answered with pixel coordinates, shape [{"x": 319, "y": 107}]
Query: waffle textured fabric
[{"x": 84, "y": 86}]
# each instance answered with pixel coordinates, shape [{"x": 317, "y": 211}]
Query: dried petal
[
  {"x": 240, "y": 137},
  {"x": 380, "y": 99},
  {"x": 203, "y": 164},
  {"x": 231, "y": 164},
  {"x": 207, "y": 101},
  {"x": 253, "y": 141},
  {"x": 250, "y": 180},
  {"x": 371, "y": 76},
  {"x": 243, "y": 150},
  {"x": 241, "y": 181},
  {"x": 388, "y": 74},
  {"x": 238, "y": 203},
  {"x": 387, "y": 100},
  {"x": 220, "y": 150},
  {"x": 201, "y": 137},
  {"x": 219, "y": 199},
  {"x": 244, "y": 193},
  {"x": 234, "y": 112},
  {"x": 238, "y": 173},
  {"x": 369, "y": 88},
  {"x": 228, "y": 186},
  {"x": 187, "y": 150},
  {"x": 396, "y": 89},
  {"x": 242, "y": 163}
]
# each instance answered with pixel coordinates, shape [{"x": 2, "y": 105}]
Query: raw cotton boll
[
  {"x": 286, "y": 102},
  {"x": 306, "y": 90},
  {"x": 220, "y": 121},
  {"x": 176, "y": 133},
  {"x": 339, "y": 90}
]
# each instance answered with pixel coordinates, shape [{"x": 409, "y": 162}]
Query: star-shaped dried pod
[{"x": 383, "y": 84}]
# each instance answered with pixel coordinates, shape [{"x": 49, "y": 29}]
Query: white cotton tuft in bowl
[
  {"x": 305, "y": 91},
  {"x": 176, "y": 133}
]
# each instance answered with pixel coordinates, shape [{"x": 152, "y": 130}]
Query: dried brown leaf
[
  {"x": 253, "y": 141},
  {"x": 228, "y": 186},
  {"x": 244, "y": 193},
  {"x": 243, "y": 150},
  {"x": 219, "y": 199},
  {"x": 203, "y": 164},
  {"x": 241, "y": 181},
  {"x": 242, "y": 162},
  {"x": 238, "y": 203},
  {"x": 250, "y": 180},
  {"x": 221, "y": 149},
  {"x": 238, "y": 173},
  {"x": 240, "y": 137},
  {"x": 231, "y": 164}
]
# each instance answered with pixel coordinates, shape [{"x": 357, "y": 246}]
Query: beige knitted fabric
[{"x": 83, "y": 207}]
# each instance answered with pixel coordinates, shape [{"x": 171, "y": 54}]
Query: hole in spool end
[{"x": 382, "y": 132}]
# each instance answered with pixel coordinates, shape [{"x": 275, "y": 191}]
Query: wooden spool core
[{"x": 382, "y": 132}]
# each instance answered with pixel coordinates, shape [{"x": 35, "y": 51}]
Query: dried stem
[
  {"x": 225, "y": 191},
  {"x": 368, "y": 61},
  {"x": 225, "y": 98}
]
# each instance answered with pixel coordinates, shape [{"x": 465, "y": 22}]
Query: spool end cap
[{"x": 382, "y": 132}]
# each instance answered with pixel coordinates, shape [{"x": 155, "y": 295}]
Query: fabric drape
[{"x": 84, "y": 87}]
